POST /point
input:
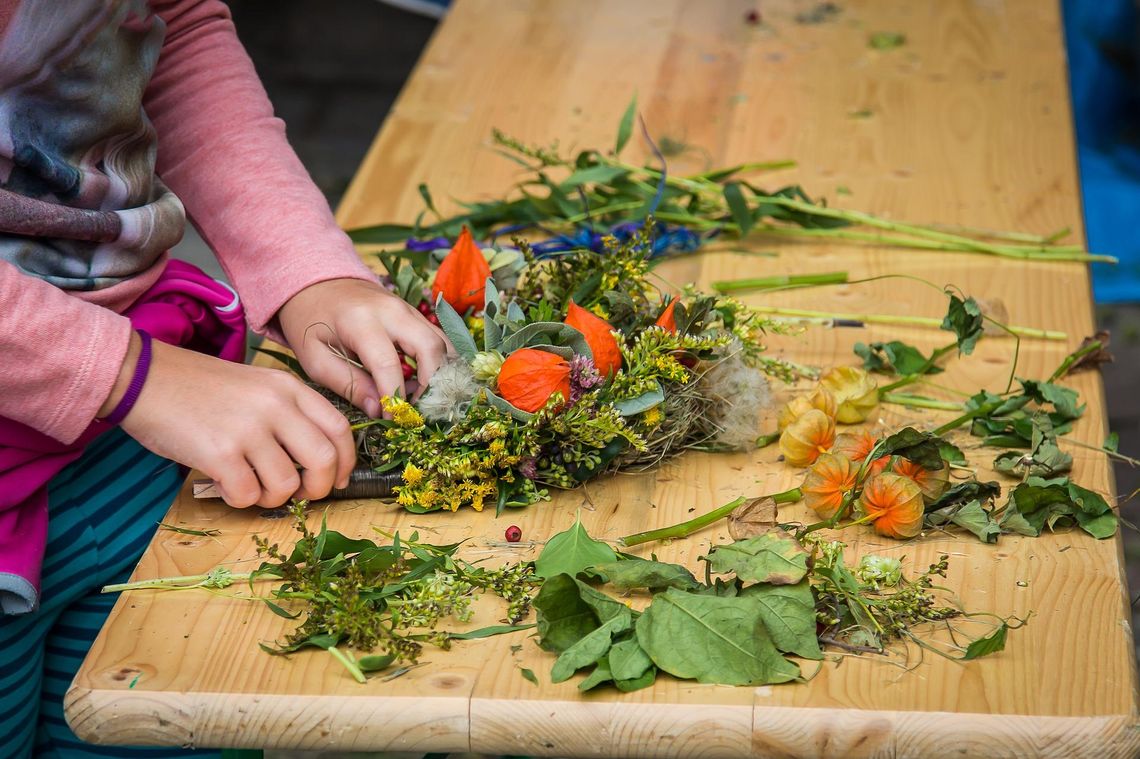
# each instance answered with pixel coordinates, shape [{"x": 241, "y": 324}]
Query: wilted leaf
[
  {"x": 755, "y": 516},
  {"x": 964, "y": 319},
  {"x": 711, "y": 640},
  {"x": 775, "y": 557},
  {"x": 894, "y": 358},
  {"x": 1095, "y": 358},
  {"x": 629, "y": 574}
]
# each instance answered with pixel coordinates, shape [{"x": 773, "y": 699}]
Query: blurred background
[{"x": 333, "y": 69}]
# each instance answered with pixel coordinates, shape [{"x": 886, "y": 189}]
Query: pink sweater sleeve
[
  {"x": 61, "y": 355},
  {"x": 221, "y": 150}
]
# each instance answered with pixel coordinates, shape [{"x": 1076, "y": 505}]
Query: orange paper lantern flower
[
  {"x": 932, "y": 482},
  {"x": 857, "y": 446},
  {"x": 530, "y": 376},
  {"x": 894, "y": 504},
  {"x": 819, "y": 398},
  {"x": 666, "y": 320},
  {"x": 599, "y": 336},
  {"x": 806, "y": 438},
  {"x": 829, "y": 479},
  {"x": 462, "y": 276}
]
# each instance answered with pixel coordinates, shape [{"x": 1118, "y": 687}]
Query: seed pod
[
  {"x": 894, "y": 504},
  {"x": 855, "y": 393},
  {"x": 599, "y": 335},
  {"x": 830, "y": 478},
  {"x": 806, "y": 438},
  {"x": 530, "y": 376},
  {"x": 819, "y": 398}
]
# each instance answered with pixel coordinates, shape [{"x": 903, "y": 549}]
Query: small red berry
[
  {"x": 424, "y": 307},
  {"x": 752, "y": 17},
  {"x": 408, "y": 370},
  {"x": 433, "y": 319},
  {"x": 514, "y": 534}
]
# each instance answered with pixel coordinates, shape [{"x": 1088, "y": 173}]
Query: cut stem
[
  {"x": 704, "y": 520},
  {"x": 348, "y": 663},
  {"x": 172, "y": 583},
  {"x": 917, "y": 401},
  {"x": 781, "y": 280},
  {"x": 1073, "y": 358}
]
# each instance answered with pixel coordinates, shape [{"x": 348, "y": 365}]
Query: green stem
[
  {"x": 697, "y": 523},
  {"x": 780, "y": 280},
  {"x": 954, "y": 424},
  {"x": 348, "y": 663},
  {"x": 1073, "y": 358},
  {"x": 916, "y": 401},
  {"x": 918, "y": 321},
  {"x": 172, "y": 583},
  {"x": 766, "y": 440}
]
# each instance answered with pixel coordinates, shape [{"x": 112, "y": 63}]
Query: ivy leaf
[
  {"x": 711, "y": 640},
  {"x": 964, "y": 319},
  {"x": 738, "y": 207},
  {"x": 990, "y": 644},
  {"x": 788, "y": 612},
  {"x": 629, "y": 574},
  {"x": 572, "y": 551},
  {"x": 775, "y": 558},
  {"x": 894, "y": 358},
  {"x": 625, "y": 126}
]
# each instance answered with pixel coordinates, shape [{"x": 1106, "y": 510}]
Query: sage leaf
[
  {"x": 640, "y": 403},
  {"x": 711, "y": 640},
  {"x": 572, "y": 551},
  {"x": 455, "y": 328},
  {"x": 774, "y": 557}
]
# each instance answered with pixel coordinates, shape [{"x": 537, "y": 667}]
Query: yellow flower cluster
[{"x": 403, "y": 413}]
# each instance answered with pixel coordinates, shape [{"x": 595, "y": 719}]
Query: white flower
[
  {"x": 879, "y": 570},
  {"x": 486, "y": 365},
  {"x": 740, "y": 393}
]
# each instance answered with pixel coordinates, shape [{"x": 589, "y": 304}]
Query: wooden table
[{"x": 968, "y": 123}]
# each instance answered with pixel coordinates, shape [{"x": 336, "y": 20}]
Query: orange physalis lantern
[
  {"x": 599, "y": 336},
  {"x": 856, "y": 446},
  {"x": 830, "y": 478},
  {"x": 462, "y": 276},
  {"x": 894, "y": 504},
  {"x": 806, "y": 438},
  {"x": 666, "y": 320},
  {"x": 530, "y": 376}
]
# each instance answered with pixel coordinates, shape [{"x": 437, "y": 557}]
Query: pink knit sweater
[{"x": 225, "y": 156}]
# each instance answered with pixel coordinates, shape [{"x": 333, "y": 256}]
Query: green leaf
[
  {"x": 628, "y": 660},
  {"x": 600, "y": 675},
  {"x": 375, "y": 662},
  {"x": 529, "y": 675},
  {"x": 922, "y": 448},
  {"x": 381, "y": 234},
  {"x": 970, "y": 516},
  {"x": 637, "y": 683},
  {"x": 990, "y": 644},
  {"x": 598, "y": 174},
  {"x": 962, "y": 492},
  {"x": 641, "y": 403},
  {"x": 964, "y": 319},
  {"x": 1112, "y": 442},
  {"x": 1063, "y": 399},
  {"x": 487, "y": 632},
  {"x": 894, "y": 358},
  {"x": 775, "y": 558},
  {"x": 572, "y": 551},
  {"x": 563, "y": 617},
  {"x": 1048, "y": 503},
  {"x": 455, "y": 328},
  {"x": 281, "y": 612},
  {"x": 425, "y": 193},
  {"x": 589, "y": 649},
  {"x": 738, "y": 207},
  {"x": 886, "y": 40},
  {"x": 502, "y": 404},
  {"x": 655, "y": 575},
  {"x": 545, "y": 333},
  {"x": 788, "y": 612},
  {"x": 625, "y": 126},
  {"x": 711, "y": 640}
]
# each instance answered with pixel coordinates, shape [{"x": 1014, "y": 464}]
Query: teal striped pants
[{"x": 102, "y": 514}]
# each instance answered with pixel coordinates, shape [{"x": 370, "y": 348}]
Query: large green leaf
[
  {"x": 629, "y": 574},
  {"x": 711, "y": 640},
  {"x": 589, "y": 649},
  {"x": 773, "y": 557},
  {"x": 628, "y": 660},
  {"x": 563, "y": 618},
  {"x": 572, "y": 551},
  {"x": 788, "y": 611}
]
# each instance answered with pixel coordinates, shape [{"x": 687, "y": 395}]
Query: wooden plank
[{"x": 969, "y": 124}]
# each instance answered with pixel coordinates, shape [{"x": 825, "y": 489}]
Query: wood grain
[{"x": 969, "y": 124}]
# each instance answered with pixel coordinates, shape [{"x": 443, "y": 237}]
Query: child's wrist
[{"x": 129, "y": 382}]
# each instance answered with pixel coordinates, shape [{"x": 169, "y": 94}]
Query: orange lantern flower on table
[
  {"x": 830, "y": 478},
  {"x": 857, "y": 446},
  {"x": 529, "y": 377},
  {"x": 462, "y": 276},
  {"x": 893, "y": 503},
  {"x": 932, "y": 482},
  {"x": 599, "y": 336},
  {"x": 806, "y": 438},
  {"x": 666, "y": 320}
]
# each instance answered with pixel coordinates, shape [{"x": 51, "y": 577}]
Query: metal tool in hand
[{"x": 362, "y": 483}]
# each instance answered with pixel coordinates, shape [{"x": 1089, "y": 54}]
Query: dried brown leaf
[
  {"x": 1097, "y": 357},
  {"x": 756, "y": 516}
]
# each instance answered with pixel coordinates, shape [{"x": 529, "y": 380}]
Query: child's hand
[
  {"x": 246, "y": 427},
  {"x": 368, "y": 324}
]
